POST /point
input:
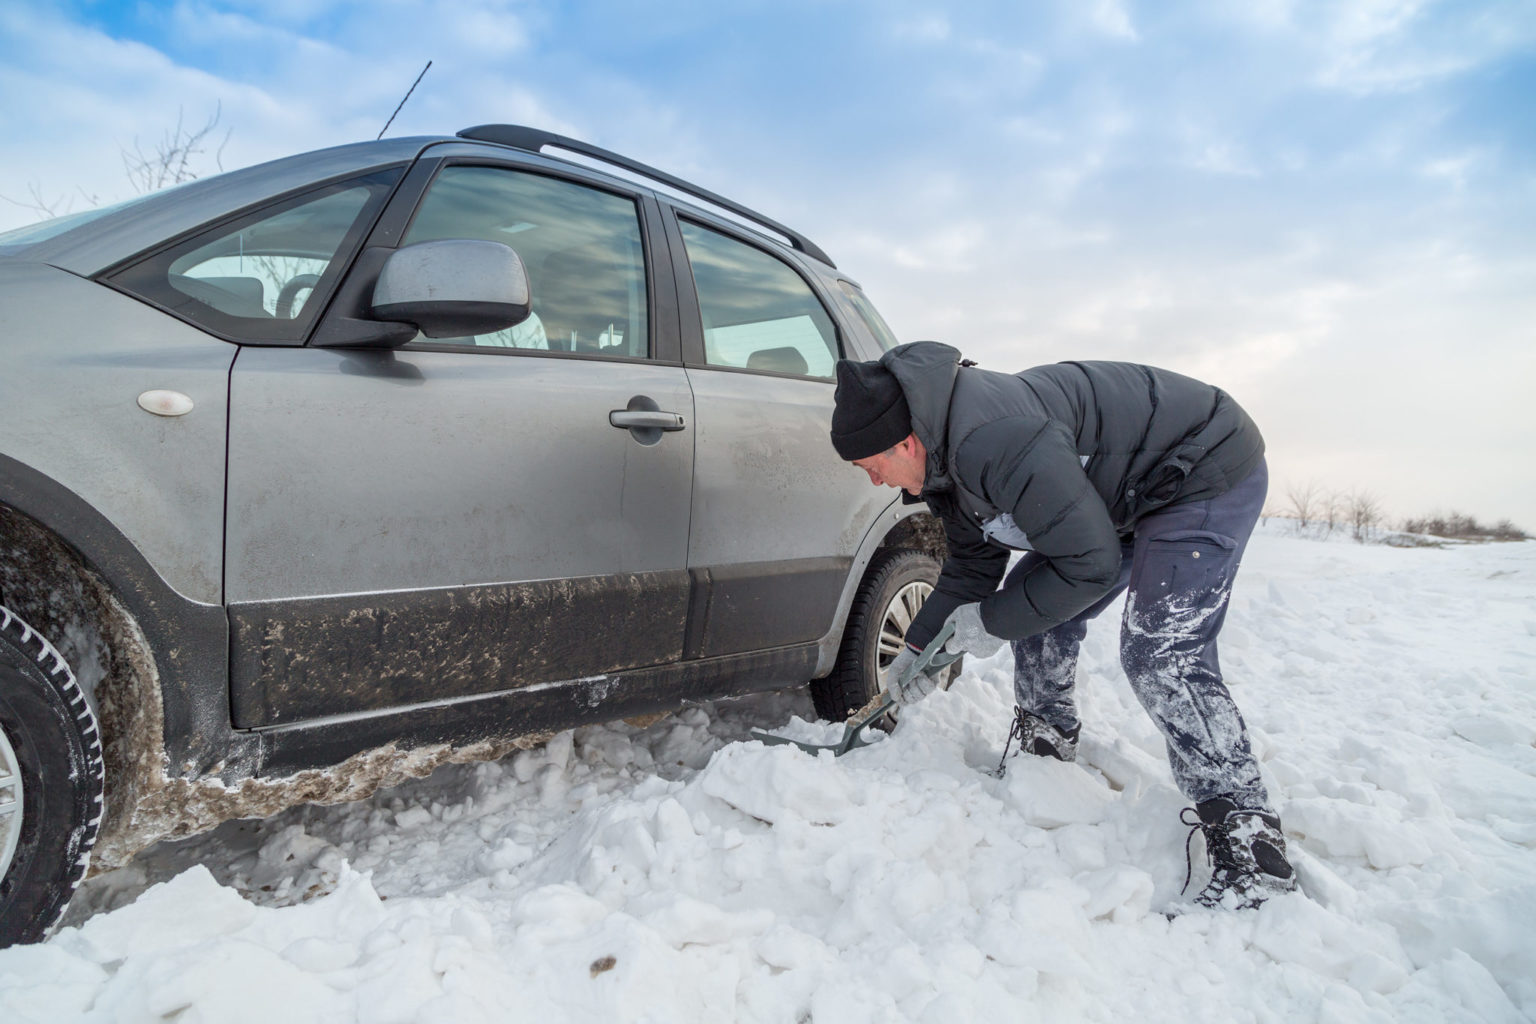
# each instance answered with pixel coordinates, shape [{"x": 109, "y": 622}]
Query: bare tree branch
[
  {"x": 1303, "y": 500},
  {"x": 170, "y": 162},
  {"x": 1364, "y": 514}
]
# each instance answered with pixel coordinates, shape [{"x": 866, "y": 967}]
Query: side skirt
[
  {"x": 302, "y": 660},
  {"x": 496, "y": 719}
]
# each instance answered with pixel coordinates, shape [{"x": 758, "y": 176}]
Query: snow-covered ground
[{"x": 681, "y": 872}]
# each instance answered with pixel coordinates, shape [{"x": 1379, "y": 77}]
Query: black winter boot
[
  {"x": 1248, "y": 851},
  {"x": 1039, "y": 737}
]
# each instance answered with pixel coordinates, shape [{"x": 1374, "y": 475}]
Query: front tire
[
  {"x": 51, "y": 778},
  {"x": 892, "y": 591}
]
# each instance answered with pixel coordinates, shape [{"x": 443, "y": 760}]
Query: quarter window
[
  {"x": 581, "y": 247},
  {"x": 265, "y": 277},
  {"x": 758, "y": 313}
]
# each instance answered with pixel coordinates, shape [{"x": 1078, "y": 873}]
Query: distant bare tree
[
  {"x": 46, "y": 208},
  {"x": 171, "y": 160},
  {"x": 1364, "y": 514},
  {"x": 1506, "y": 530},
  {"x": 1332, "y": 507},
  {"x": 1460, "y": 526},
  {"x": 1303, "y": 500}
]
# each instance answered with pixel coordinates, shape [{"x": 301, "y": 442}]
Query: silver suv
[{"x": 322, "y": 473}]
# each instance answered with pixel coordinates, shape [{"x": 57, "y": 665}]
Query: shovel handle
[{"x": 932, "y": 656}]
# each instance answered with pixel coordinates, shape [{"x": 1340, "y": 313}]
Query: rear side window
[
  {"x": 264, "y": 277},
  {"x": 582, "y": 249},
  {"x": 758, "y": 313},
  {"x": 869, "y": 314}
]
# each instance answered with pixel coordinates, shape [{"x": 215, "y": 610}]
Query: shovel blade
[
  {"x": 853, "y": 735},
  {"x": 777, "y": 741}
]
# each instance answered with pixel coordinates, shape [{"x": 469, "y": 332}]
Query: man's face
[{"x": 903, "y": 466}]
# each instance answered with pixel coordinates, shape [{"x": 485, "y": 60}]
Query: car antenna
[{"x": 402, "y": 102}]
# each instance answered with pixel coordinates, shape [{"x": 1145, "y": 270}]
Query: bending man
[{"x": 1111, "y": 476}]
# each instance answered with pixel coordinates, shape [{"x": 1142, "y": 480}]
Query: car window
[
  {"x": 759, "y": 314},
  {"x": 581, "y": 247},
  {"x": 264, "y": 277},
  {"x": 869, "y": 314}
]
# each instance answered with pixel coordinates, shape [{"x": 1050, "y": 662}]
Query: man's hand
[
  {"x": 971, "y": 637},
  {"x": 915, "y": 689}
]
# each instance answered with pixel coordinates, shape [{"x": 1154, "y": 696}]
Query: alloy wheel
[
  {"x": 898, "y": 616},
  {"x": 10, "y": 803}
]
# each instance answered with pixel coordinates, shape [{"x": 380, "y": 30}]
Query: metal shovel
[{"x": 933, "y": 656}]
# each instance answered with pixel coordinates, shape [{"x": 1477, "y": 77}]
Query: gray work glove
[
  {"x": 971, "y": 637},
  {"x": 919, "y": 686}
]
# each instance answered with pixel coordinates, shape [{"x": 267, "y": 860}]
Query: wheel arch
[
  {"x": 153, "y": 663},
  {"x": 901, "y": 525}
]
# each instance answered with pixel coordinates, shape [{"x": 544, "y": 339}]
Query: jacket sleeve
[
  {"x": 1031, "y": 470},
  {"x": 971, "y": 572}
]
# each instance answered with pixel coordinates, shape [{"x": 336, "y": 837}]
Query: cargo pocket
[{"x": 1187, "y": 562}]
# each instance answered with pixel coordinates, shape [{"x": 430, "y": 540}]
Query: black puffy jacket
[{"x": 1075, "y": 453}]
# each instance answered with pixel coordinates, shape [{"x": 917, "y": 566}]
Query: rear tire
[
  {"x": 892, "y": 591},
  {"x": 50, "y": 782}
]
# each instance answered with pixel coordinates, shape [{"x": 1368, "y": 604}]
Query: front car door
[{"x": 462, "y": 516}]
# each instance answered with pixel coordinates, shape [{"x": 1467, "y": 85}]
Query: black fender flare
[{"x": 188, "y": 641}]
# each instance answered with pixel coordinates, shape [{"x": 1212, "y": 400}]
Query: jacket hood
[{"x": 926, "y": 372}]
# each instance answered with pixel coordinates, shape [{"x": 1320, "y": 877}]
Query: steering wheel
[{"x": 290, "y": 291}]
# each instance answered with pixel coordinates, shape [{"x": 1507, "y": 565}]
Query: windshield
[{"x": 16, "y": 239}]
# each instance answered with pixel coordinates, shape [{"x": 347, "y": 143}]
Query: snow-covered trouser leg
[
  {"x": 1184, "y": 561},
  {"x": 1045, "y": 665}
]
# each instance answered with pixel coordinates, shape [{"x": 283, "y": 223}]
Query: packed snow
[{"x": 682, "y": 872}]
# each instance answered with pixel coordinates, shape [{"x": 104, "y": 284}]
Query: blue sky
[{"x": 1326, "y": 208}]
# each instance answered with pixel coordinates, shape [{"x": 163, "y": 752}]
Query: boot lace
[
  {"x": 1218, "y": 844},
  {"x": 1015, "y": 732}
]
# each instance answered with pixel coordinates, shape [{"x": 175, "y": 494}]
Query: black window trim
[
  {"x": 352, "y": 243},
  {"x": 663, "y": 344},
  {"x": 692, "y": 314}
]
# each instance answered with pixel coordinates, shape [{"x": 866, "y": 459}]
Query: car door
[
  {"x": 467, "y": 515},
  {"x": 777, "y": 516}
]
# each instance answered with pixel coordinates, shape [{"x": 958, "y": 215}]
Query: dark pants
[{"x": 1179, "y": 566}]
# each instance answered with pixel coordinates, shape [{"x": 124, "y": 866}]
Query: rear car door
[
  {"x": 777, "y": 516},
  {"x": 462, "y": 516}
]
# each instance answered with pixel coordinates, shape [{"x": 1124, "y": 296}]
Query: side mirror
[{"x": 453, "y": 287}]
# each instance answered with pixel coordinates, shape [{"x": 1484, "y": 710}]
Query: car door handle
[
  {"x": 645, "y": 420},
  {"x": 654, "y": 419}
]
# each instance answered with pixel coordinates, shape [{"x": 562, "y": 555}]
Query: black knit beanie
[{"x": 869, "y": 411}]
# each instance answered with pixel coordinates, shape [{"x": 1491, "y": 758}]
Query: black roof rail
[{"x": 534, "y": 139}]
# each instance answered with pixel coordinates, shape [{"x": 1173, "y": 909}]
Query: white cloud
[
  {"x": 1217, "y": 156},
  {"x": 1111, "y": 18},
  {"x": 1367, "y": 47},
  {"x": 929, "y": 28},
  {"x": 953, "y": 249},
  {"x": 292, "y": 12},
  {"x": 200, "y": 24},
  {"x": 1454, "y": 171},
  {"x": 490, "y": 32}
]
